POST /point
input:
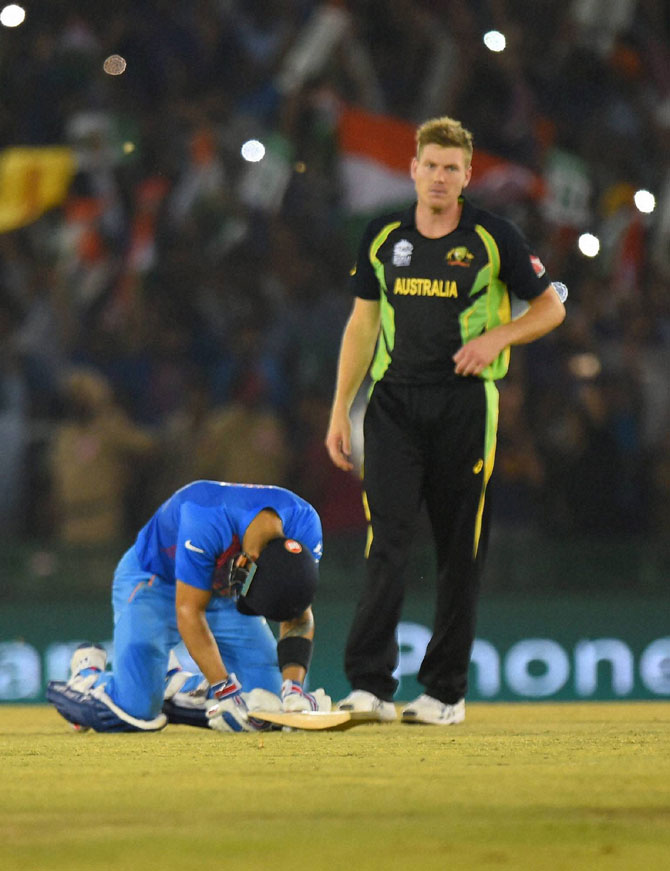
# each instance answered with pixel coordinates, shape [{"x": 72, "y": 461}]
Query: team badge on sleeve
[{"x": 537, "y": 265}]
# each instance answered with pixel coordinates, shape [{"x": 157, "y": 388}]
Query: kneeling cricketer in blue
[{"x": 208, "y": 568}]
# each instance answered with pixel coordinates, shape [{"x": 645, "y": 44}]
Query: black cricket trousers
[{"x": 432, "y": 443}]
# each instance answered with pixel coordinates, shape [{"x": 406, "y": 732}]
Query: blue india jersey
[{"x": 203, "y": 524}]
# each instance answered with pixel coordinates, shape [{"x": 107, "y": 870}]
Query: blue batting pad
[{"x": 85, "y": 709}]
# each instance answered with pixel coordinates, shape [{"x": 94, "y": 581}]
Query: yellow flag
[{"x": 32, "y": 180}]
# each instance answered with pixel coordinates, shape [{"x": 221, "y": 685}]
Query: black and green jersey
[{"x": 436, "y": 294}]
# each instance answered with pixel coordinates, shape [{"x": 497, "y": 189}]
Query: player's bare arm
[
  {"x": 191, "y": 605},
  {"x": 358, "y": 345},
  {"x": 544, "y": 314},
  {"x": 265, "y": 526},
  {"x": 294, "y": 653},
  {"x": 300, "y": 627}
]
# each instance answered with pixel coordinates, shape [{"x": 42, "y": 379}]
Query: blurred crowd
[{"x": 179, "y": 314}]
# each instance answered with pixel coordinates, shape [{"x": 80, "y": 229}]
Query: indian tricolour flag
[{"x": 375, "y": 155}]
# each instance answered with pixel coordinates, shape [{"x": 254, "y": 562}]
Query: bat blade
[{"x": 317, "y": 720}]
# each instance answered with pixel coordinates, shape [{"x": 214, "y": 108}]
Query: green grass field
[{"x": 527, "y": 786}]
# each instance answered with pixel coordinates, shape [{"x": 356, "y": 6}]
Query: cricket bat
[{"x": 317, "y": 720}]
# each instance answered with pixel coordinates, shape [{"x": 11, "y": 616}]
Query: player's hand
[
  {"x": 473, "y": 357},
  {"x": 228, "y": 711},
  {"x": 295, "y": 699},
  {"x": 338, "y": 441},
  {"x": 230, "y": 715},
  {"x": 225, "y": 689}
]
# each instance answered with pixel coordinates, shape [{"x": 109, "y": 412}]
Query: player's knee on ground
[{"x": 138, "y": 684}]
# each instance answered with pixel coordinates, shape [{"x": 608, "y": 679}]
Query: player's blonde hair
[{"x": 445, "y": 132}]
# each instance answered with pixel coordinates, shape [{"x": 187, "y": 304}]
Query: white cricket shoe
[
  {"x": 86, "y": 663},
  {"x": 88, "y": 656},
  {"x": 362, "y": 700},
  {"x": 426, "y": 709}
]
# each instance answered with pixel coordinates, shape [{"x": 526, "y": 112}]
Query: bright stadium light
[
  {"x": 12, "y": 15},
  {"x": 494, "y": 40},
  {"x": 253, "y": 150},
  {"x": 645, "y": 201},
  {"x": 589, "y": 245}
]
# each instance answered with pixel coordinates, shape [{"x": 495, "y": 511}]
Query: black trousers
[{"x": 431, "y": 444}]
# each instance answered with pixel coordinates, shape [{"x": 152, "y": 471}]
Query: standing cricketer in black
[{"x": 432, "y": 291}]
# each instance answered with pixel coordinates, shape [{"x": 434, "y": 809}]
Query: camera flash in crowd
[
  {"x": 253, "y": 150},
  {"x": 645, "y": 201},
  {"x": 494, "y": 40},
  {"x": 589, "y": 244},
  {"x": 12, "y": 15}
]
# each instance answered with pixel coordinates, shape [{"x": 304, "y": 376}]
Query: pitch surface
[{"x": 528, "y": 786}]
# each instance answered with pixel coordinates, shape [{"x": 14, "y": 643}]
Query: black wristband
[{"x": 294, "y": 650}]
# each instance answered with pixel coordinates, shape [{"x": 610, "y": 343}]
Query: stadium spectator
[
  {"x": 94, "y": 452},
  {"x": 245, "y": 439},
  {"x": 13, "y": 429}
]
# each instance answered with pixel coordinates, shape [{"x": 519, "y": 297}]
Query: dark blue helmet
[{"x": 281, "y": 583}]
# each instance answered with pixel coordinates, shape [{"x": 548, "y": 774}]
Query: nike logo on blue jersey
[{"x": 190, "y": 546}]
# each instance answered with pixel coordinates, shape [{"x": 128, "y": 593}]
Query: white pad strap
[{"x": 158, "y": 722}]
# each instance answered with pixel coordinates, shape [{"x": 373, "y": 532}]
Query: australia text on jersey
[{"x": 425, "y": 287}]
